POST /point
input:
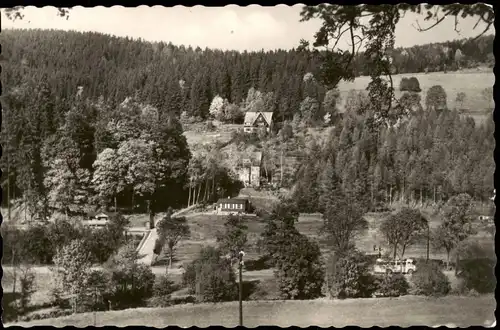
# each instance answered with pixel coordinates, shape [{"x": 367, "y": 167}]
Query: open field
[
  {"x": 471, "y": 83},
  {"x": 197, "y": 134},
  {"x": 403, "y": 311},
  {"x": 205, "y": 227}
]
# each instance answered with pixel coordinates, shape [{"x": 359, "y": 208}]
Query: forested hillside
[
  {"x": 180, "y": 79},
  {"x": 87, "y": 118}
]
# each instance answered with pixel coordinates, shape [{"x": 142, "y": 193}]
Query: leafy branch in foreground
[{"x": 376, "y": 25}]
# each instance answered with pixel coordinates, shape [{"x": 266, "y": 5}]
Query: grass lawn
[
  {"x": 197, "y": 133},
  {"x": 403, "y": 311},
  {"x": 42, "y": 284},
  {"x": 205, "y": 227}
]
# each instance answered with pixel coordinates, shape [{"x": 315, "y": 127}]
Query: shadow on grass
[
  {"x": 164, "y": 260},
  {"x": 10, "y": 312},
  {"x": 262, "y": 263}
]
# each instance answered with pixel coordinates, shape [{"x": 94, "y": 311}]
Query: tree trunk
[
  {"x": 116, "y": 206},
  {"x": 372, "y": 193},
  {"x": 14, "y": 269},
  {"x": 213, "y": 187},
  {"x": 404, "y": 190},
  {"x": 421, "y": 197},
  {"x": 199, "y": 192},
  {"x": 403, "y": 251},
  {"x": 457, "y": 260},
  {"x": 151, "y": 215},
  {"x": 448, "y": 259},
  {"x": 8, "y": 187},
  {"x": 281, "y": 167},
  {"x": 390, "y": 195},
  {"x": 170, "y": 257},
  {"x": 189, "y": 196},
  {"x": 205, "y": 195},
  {"x": 395, "y": 251}
]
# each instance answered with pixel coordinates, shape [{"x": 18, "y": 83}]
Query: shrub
[
  {"x": 131, "y": 283},
  {"x": 348, "y": 276},
  {"x": 266, "y": 290},
  {"x": 393, "y": 285},
  {"x": 46, "y": 315},
  {"x": 211, "y": 277},
  {"x": 27, "y": 284},
  {"x": 409, "y": 85},
  {"x": 163, "y": 287},
  {"x": 429, "y": 280},
  {"x": 299, "y": 272},
  {"x": 36, "y": 244},
  {"x": 478, "y": 274}
]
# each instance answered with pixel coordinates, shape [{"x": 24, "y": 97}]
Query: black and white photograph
[{"x": 323, "y": 165}]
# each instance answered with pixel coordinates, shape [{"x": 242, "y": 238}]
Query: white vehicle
[{"x": 405, "y": 266}]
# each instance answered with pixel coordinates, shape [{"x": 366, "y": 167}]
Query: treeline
[
  {"x": 131, "y": 157},
  {"x": 179, "y": 79},
  {"x": 90, "y": 120},
  {"x": 428, "y": 157}
]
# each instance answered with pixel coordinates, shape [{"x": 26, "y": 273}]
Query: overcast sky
[{"x": 231, "y": 27}]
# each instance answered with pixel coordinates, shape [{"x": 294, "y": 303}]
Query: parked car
[{"x": 405, "y": 266}]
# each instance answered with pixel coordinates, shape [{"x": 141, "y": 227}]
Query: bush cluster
[
  {"x": 45, "y": 315},
  {"x": 392, "y": 285},
  {"x": 429, "y": 280},
  {"x": 210, "y": 277},
  {"x": 410, "y": 85},
  {"x": 478, "y": 274},
  {"x": 348, "y": 276},
  {"x": 39, "y": 243}
]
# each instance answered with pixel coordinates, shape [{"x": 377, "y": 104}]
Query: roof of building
[
  {"x": 95, "y": 222},
  {"x": 101, "y": 214},
  {"x": 251, "y": 117},
  {"x": 233, "y": 200},
  {"x": 255, "y": 158}
]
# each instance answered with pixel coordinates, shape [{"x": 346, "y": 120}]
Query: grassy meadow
[
  {"x": 403, "y": 311},
  {"x": 471, "y": 83},
  {"x": 204, "y": 228}
]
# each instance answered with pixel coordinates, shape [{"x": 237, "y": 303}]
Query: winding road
[{"x": 146, "y": 247}]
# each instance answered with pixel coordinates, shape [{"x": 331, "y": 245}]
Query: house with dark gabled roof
[{"x": 257, "y": 120}]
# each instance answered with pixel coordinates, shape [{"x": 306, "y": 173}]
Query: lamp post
[
  {"x": 240, "y": 266},
  {"x": 428, "y": 240},
  {"x": 95, "y": 306}
]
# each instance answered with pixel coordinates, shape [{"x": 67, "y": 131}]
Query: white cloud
[{"x": 231, "y": 27}]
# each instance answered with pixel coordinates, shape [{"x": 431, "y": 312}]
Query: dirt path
[{"x": 146, "y": 248}]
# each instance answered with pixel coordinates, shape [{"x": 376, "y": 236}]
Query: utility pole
[
  {"x": 281, "y": 167},
  {"x": 240, "y": 266},
  {"x": 428, "y": 240},
  {"x": 95, "y": 306}
]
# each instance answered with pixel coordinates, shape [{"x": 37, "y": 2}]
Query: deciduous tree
[
  {"x": 403, "y": 229},
  {"x": 171, "y": 230}
]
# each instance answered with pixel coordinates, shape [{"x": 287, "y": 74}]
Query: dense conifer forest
[{"x": 75, "y": 105}]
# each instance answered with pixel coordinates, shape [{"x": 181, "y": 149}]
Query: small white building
[{"x": 249, "y": 170}]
